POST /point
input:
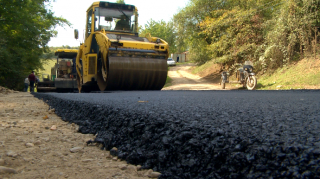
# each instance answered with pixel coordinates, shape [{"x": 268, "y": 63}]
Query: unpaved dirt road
[
  {"x": 36, "y": 143},
  {"x": 183, "y": 79}
]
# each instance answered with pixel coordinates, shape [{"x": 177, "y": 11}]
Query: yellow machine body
[
  {"x": 114, "y": 57},
  {"x": 63, "y": 77}
]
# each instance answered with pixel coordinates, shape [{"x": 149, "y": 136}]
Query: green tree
[
  {"x": 269, "y": 32},
  {"x": 187, "y": 24},
  {"x": 25, "y": 29},
  {"x": 161, "y": 29},
  {"x": 293, "y": 32},
  {"x": 230, "y": 29}
]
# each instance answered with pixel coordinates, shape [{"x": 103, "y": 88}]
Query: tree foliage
[
  {"x": 293, "y": 34},
  {"x": 161, "y": 29},
  {"x": 269, "y": 32},
  {"x": 50, "y": 54},
  {"x": 26, "y": 27}
]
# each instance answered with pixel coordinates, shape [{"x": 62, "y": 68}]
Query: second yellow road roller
[{"x": 114, "y": 57}]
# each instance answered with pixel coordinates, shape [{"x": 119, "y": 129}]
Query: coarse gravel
[{"x": 203, "y": 134}]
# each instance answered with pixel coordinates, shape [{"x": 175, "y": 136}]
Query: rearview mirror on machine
[{"x": 76, "y": 33}]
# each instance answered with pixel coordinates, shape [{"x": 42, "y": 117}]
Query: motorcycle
[{"x": 244, "y": 75}]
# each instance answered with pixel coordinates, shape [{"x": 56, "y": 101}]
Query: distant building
[{"x": 182, "y": 57}]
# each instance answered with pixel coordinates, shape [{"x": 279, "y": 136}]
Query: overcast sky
[{"x": 75, "y": 12}]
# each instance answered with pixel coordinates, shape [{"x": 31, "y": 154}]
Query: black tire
[
  {"x": 251, "y": 82},
  {"x": 100, "y": 81}
]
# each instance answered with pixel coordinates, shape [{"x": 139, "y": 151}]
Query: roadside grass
[
  {"x": 202, "y": 67},
  {"x": 304, "y": 74},
  {"x": 168, "y": 82}
]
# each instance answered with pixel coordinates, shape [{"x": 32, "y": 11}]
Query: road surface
[{"x": 203, "y": 134}]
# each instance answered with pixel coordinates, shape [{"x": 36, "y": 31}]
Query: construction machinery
[
  {"x": 114, "y": 57},
  {"x": 63, "y": 73}
]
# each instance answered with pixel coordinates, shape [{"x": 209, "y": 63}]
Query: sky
[{"x": 75, "y": 12}]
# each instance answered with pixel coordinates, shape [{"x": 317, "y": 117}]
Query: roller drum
[{"x": 130, "y": 73}]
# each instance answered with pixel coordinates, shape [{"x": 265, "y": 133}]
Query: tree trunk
[
  {"x": 289, "y": 54},
  {"x": 301, "y": 52},
  {"x": 301, "y": 46},
  {"x": 309, "y": 35}
]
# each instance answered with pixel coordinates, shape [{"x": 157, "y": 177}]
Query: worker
[
  {"x": 32, "y": 79},
  {"x": 26, "y": 84},
  {"x": 122, "y": 24}
]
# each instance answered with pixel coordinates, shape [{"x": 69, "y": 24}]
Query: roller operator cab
[{"x": 114, "y": 57}]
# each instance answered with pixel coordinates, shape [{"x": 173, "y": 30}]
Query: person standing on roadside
[
  {"x": 26, "y": 84},
  {"x": 32, "y": 79}
]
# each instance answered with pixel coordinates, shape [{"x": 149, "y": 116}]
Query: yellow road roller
[{"x": 114, "y": 57}]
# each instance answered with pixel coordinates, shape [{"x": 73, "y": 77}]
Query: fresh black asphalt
[{"x": 203, "y": 134}]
